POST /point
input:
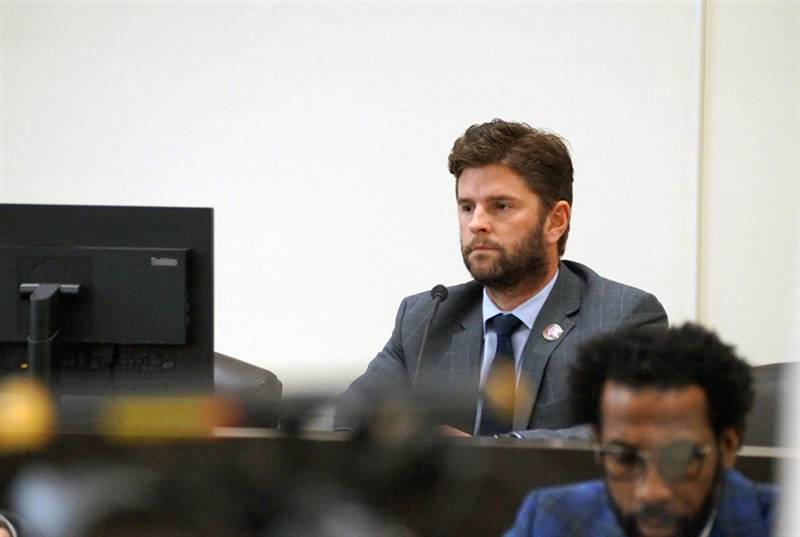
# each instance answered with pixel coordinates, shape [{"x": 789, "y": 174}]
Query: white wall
[
  {"x": 319, "y": 133},
  {"x": 750, "y": 218},
  {"x": 751, "y": 178},
  {"x": 2, "y": 99}
]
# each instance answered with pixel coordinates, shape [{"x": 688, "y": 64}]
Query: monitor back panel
[{"x": 143, "y": 323}]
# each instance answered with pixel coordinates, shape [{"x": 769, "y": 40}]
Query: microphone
[{"x": 439, "y": 295}]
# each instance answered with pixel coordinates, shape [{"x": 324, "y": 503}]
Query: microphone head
[{"x": 439, "y": 293}]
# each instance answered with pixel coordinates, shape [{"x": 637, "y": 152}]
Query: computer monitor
[{"x": 107, "y": 301}]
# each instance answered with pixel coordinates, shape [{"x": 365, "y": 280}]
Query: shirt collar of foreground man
[{"x": 668, "y": 408}]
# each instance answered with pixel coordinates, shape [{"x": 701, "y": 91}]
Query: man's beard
[
  {"x": 523, "y": 260},
  {"x": 659, "y": 512}
]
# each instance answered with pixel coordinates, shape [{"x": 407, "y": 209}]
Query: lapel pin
[{"x": 552, "y": 332}]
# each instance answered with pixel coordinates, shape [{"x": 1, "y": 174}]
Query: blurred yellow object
[
  {"x": 27, "y": 414},
  {"x": 134, "y": 418},
  {"x": 501, "y": 392}
]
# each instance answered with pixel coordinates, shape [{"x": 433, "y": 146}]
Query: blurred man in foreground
[{"x": 669, "y": 408}]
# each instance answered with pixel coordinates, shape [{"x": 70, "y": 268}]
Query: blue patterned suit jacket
[
  {"x": 583, "y": 510},
  {"x": 583, "y": 303}
]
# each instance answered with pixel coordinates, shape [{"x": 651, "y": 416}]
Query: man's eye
[
  {"x": 466, "y": 208},
  {"x": 679, "y": 454},
  {"x": 501, "y": 206},
  {"x": 626, "y": 458}
]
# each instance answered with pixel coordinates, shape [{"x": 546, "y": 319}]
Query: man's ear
[
  {"x": 557, "y": 222},
  {"x": 728, "y": 445}
]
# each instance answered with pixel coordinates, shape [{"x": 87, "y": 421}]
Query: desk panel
[{"x": 261, "y": 483}]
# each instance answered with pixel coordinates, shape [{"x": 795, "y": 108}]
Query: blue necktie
[{"x": 497, "y": 416}]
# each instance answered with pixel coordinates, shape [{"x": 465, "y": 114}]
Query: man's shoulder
[
  {"x": 736, "y": 481},
  {"x": 608, "y": 300},
  {"x": 595, "y": 283},
  {"x": 575, "y": 494},
  {"x": 575, "y": 274},
  {"x": 746, "y": 506},
  {"x": 577, "y": 509}
]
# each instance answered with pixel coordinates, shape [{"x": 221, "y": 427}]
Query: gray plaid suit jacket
[{"x": 581, "y": 302}]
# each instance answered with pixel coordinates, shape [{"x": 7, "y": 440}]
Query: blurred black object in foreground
[{"x": 394, "y": 476}]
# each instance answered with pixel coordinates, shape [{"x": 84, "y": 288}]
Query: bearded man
[
  {"x": 500, "y": 346},
  {"x": 669, "y": 409}
]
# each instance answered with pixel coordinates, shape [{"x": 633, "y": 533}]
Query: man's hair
[
  {"x": 541, "y": 158},
  {"x": 664, "y": 359}
]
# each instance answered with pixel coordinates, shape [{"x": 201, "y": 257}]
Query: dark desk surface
[{"x": 435, "y": 487}]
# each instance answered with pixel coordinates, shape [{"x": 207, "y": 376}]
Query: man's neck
[{"x": 509, "y": 298}]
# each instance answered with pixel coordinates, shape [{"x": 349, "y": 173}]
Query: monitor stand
[{"x": 45, "y": 324}]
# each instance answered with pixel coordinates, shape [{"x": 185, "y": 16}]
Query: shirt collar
[
  {"x": 525, "y": 312},
  {"x": 709, "y": 523}
]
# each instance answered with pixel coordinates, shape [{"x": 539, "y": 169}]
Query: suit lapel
[
  {"x": 564, "y": 300},
  {"x": 467, "y": 344},
  {"x": 453, "y": 360},
  {"x": 465, "y": 357}
]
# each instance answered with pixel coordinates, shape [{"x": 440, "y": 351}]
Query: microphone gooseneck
[{"x": 439, "y": 295}]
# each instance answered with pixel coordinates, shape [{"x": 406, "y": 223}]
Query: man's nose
[
  {"x": 651, "y": 488},
  {"x": 479, "y": 221}
]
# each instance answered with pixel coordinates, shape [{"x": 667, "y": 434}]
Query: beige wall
[
  {"x": 748, "y": 256},
  {"x": 749, "y": 212},
  {"x": 320, "y": 133}
]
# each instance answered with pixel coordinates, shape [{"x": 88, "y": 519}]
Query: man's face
[
  {"x": 501, "y": 223},
  {"x": 657, "y": 503}
]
